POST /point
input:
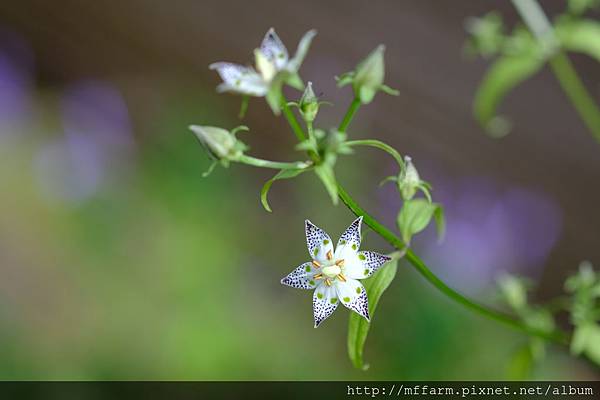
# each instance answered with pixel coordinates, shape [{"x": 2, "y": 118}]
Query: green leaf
[
  {"x": 582, "y": 36},
  {"x": 283, "y": 174},
  {"x": 273, "y": 99},
  {"x": 506, "y": 73},
  {"x": 295, "y": 81},
  {"x": 440, "y": 219},
  {"x": 415, "y": 215},
  {"x": 578, "y": 7},
  {"x": 586, "y": 339},
  {"x": 345, "y": 79},
  {"x": 358, "y": 327},
  {"x": 327, "y": 176},
  {"x": 388, "y": 90},
  {"x": 244, "y": 106},
  {"x": 391, "y": 178},
  {"x": 520, "y": 365}
]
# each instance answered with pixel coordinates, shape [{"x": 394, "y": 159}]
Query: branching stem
[
  {"x": 258, "y": 162},
  {"x": 556, "y": 336},
  {"x": 537, "y": 22}
]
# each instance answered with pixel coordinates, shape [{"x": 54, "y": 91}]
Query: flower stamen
[
  {"x": 316, "y": 264},
  {"x": 327, "y": 282},
  {"x": 330, "y": 255},
  {"x": 340, "y": 263},
  {"x": 318, "y": 276},
  {"x": 341, "y": 277}
]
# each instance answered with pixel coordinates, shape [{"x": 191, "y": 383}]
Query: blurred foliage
[
  {"x": 582, "y": 304},
  {"x": 519, "y": 56},
  {"x": 162, "y": 275}
]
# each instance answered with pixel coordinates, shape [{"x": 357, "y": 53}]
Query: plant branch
[
  {"x": 380, "y": 145},
  {"x": 577, "y": 93},
  {"x": 421, "y": 267},
  {"x": 536, "y": 20},
  {"x": 354, "y": 106},
  {"x": 291, "y": 119},
  {"x": 258, "y": 162}
]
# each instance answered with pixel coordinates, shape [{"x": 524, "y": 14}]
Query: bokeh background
[{"x": 119, "y": 261}]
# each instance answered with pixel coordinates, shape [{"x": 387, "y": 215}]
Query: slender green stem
[
  {"x": 297, "y": 128},
  {"x": 533, "y": 15},
  {"x": 422, "y": 268},
  {"x": 291, "y": 119},
  {"x": 577, "y": 93},
  {"x": 380, "y": 145},
  {"x": 310, "y": 130},
  {"x": 258, "y": 162},
  {"x": 354, "y": 106},
  {"x": 536, "y": 20}
]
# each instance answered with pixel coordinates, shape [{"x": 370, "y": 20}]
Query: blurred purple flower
[
  {"x": 97, "y": 143},
  {"x": 16, "y": 70},
  {"x": 490, "y": 230}
]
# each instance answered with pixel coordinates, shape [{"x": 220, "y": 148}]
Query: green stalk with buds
[{"x": 345, "y": 274}]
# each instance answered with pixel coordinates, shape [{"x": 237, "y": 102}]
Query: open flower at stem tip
[
  {"x": 334, "y": 274},
  {"x": 274, "y": 68}
]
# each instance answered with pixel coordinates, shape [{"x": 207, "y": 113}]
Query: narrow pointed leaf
[
  {"x": 505, "y": 74},
  {"x": 325, "y": 173},
  {"x": 358, "y": 327},
  {"x": 440, "y": 221},
  {"x": 582, "y": 36},
  {"x": 283, "y": 174}
]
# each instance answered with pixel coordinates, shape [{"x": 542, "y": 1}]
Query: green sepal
[{"x": 415, "y": 215}]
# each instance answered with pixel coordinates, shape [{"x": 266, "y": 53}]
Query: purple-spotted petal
[
  {"x": 353, "y": 295},
  {"x": 349, "y": 242},
  {"x": 325, "y": 301},
  {"x": 365, "y": 264},
  {"x": 301, "y": 277},
  {"x": 318, "y": 242},
  {"x": 239, "y": 78},
  {"x": 274, "y": 50}
]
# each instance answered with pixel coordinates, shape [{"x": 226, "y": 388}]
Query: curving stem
[{"x": 556, "y": 336}]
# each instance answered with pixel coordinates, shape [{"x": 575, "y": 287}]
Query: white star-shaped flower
[
  {"x": 274, "y": 67},
  {"x": 334, "y": 274}
]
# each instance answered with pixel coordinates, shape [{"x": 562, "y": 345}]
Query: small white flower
[
  {"x": 273, "y": 69},
  {"x": 334, "y": 274}
]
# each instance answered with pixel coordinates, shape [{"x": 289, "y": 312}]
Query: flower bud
[
  {"x": 369, "y": 75},
  {"x": 309, "y": 104},
  {"x": 409, "y": 180},
  {"x": 514, "y": 291},
  {"x": 220, "y": 143}
]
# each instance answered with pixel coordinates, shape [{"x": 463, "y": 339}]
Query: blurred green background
[{"x": 119, "y": 261}]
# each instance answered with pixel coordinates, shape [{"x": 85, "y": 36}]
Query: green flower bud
[
  {"x": 369, "y": 75},
  {"x": 513, "y": 290},
  {"x": 220, "y": 143},
  {"x": 409, "y": 180},
  {"x": 309, "y": 104}
]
